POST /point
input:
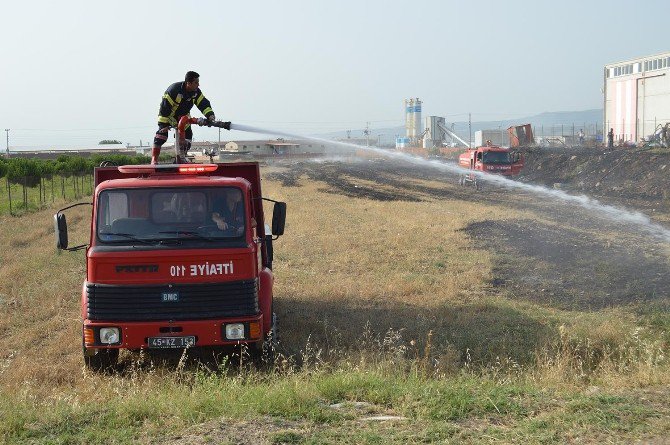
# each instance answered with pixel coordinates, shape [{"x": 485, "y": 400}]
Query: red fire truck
[
  {"x": 489, "y": 159},
  {"x": 179, "y": 257}
]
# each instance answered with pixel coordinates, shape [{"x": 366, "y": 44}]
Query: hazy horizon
[{"x": 77, "y": 72}]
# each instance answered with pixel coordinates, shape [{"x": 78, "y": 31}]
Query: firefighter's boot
[
  {"x": 182, "y": 156},
  {"x": 155, "y": 153}
]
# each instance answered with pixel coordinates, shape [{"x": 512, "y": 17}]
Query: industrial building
[
  {"x": 274, "y": 147},
  {"x": 637, "y": 97},
  {"x": 413, "y": 127},
  {"x": 435, "y": 134},
  {"x": 83, "y": 152}
]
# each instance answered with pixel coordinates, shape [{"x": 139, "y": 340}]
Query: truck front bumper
[{"x": 136, "y": 335}]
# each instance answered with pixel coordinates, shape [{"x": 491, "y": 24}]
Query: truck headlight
[
  {"x": 109, "y": 336},
  {"x": 235, "y": 331}
]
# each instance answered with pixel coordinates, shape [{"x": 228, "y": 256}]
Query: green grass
[{"x": 468, "y": 407}]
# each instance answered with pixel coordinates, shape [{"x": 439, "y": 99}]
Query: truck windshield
[
  {"x": 496, "y": 157},
  {"x": 147, "y": 216}
]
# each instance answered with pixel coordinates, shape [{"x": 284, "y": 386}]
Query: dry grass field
[{"x": 473, "y": 317}]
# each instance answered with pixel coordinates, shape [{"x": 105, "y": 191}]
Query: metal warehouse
[
  {"x": 637, "y": 97},
  {"x": 276, "y": 147}
]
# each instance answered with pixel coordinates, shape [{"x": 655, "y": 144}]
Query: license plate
[{"x": 172, "y": 342}]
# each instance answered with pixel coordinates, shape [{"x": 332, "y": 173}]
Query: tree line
[{"x": 65, "y": 173}]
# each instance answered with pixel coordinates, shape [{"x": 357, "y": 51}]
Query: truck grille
[{"x": 195, "y": 301}]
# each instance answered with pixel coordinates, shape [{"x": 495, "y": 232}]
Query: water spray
[{"x": 610, "y": 212}]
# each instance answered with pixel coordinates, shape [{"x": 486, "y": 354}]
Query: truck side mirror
[
  {"x": 278, "y": 218},
  {"x": 60, "y": 227}
]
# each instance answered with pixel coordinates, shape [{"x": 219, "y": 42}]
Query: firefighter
[{"x": 177, "y": 101}]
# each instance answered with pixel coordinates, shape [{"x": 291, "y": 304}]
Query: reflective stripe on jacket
[{"x": 177, "y": 102}]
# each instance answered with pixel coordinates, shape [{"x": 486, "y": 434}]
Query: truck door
[{"x": 253, "y": 226}]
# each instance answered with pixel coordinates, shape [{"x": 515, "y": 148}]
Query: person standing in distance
[
  {"x": 177, "y": 101},
  {"x": 610, "y": 138}
]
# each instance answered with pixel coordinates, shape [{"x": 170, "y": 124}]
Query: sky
[{"x": 76, "y": 72}]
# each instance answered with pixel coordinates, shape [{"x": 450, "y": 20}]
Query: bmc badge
[{"x": 169, "y": 297}]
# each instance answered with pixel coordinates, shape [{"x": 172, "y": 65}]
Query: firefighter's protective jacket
[{"x": 177, "y": 102}]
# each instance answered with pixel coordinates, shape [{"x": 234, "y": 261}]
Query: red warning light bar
[
  {"x": 137, "y": 169},
  {"x": 195, "y": 169},
  {"x": 184, "y": 169}
]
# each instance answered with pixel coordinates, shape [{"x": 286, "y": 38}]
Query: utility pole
[
  {"x": 367, "y": 134},
  {"x": 7, "y": 131},
  {"x": 219, "y": 140},
  {"x": 470, "y": 129}
]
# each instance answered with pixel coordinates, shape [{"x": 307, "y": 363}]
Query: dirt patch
[
  {"x": 261, "y": 431},
  {"x": 634, "y": 177},
  {"x": 568, "y": 267},
  {"x": 580, "y": 261},
  {"x": 383, "y": 181}
]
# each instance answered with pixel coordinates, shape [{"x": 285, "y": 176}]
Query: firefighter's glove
[
  {"x": 212, "y": 118},
  {"x": 203, "y": 122},
  {"x": 226, "y": 125}
]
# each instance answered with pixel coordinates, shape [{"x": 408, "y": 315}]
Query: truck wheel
[
  {"x": 266, "y": 350},
  {"x": 100, "y": 360},
  {"x": 273, "y": 337}
]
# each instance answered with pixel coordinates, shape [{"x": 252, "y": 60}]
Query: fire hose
[{"x": 201, "y": 121}]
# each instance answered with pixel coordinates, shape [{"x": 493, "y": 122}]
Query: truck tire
[
  {"x": 273, "y": 337},
  {"x": 100, "y": 360},
  {"x": 265, "y": 350}
]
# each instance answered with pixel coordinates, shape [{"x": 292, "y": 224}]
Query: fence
[
  {"x": 638, "y": 132},
  {"x": 28, "y": 193},
  {"x": 556, "y": 134},
  {"x": 568, "y": 135},
  {"x": 31, "y": 184}
]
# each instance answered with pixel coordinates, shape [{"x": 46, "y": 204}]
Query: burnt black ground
[{"x": 568, "y": 257}]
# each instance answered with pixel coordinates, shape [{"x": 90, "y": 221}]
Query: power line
[{"x": 83, "y": 129}]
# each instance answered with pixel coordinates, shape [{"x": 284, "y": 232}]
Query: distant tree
[
  {"x": 4, "y": 169},
  {"x": 25, "y": 172},
  {"x": 119, "y": 159},
  {"x": 109, "y": 141},
  {"x": 61, "y": 166},
  {"x": 47, "y": 170}
]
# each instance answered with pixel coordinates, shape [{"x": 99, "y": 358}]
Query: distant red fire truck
[{"x": 489, "y": 159}]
